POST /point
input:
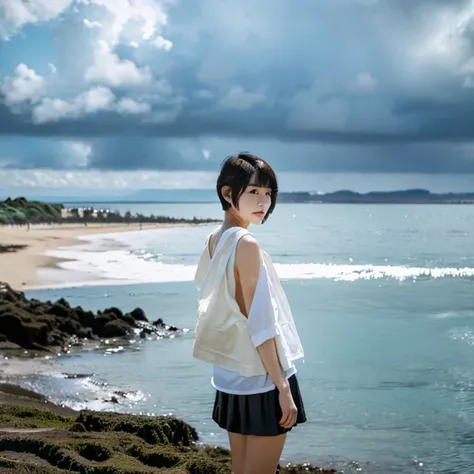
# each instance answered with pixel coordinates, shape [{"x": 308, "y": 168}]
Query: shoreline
[
  {"x": 93, "y": 441},
  {"x": 21, "y": 266}
]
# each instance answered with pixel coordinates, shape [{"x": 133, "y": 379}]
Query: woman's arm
[{"x": 247, "y": 261}]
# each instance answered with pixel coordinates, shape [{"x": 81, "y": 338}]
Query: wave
[
  {"x": 121, "y": 266},
  {"x": 122, "y": 259}
]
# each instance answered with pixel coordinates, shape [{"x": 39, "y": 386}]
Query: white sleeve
[{"x": 262, "y": 318}]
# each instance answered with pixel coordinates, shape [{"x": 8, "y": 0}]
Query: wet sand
[{"x": 19, "y": 266}]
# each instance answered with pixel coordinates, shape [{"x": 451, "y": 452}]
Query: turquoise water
[{"x": 383, "y": 300}]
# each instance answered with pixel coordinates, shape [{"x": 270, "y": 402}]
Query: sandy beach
[{"x": 20, "y": 268}]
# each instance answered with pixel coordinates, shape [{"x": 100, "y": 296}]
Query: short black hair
[{"x": 237, "y": 172}]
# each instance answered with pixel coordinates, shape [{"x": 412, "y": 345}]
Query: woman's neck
[{"x": 232, "y": 219}]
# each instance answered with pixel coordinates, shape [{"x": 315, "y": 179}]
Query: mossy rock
[
  {"x": 156, "y": 430},
  {"x": 113, "y": 444},
  {"x": 153, "y": 458},
  {"x": 26, "y": 417},
  {"x": 94, "y": 451}
]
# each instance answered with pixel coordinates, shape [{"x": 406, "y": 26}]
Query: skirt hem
[{"x": 257, "y": 414}]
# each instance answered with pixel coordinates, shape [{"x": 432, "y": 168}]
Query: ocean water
[{"x": 383, "y": 300}]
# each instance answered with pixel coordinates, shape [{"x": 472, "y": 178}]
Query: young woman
[{"x": 245, "y": 327}]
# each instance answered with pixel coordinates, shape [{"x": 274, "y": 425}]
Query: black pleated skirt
[{"x": 258, "y": 414}]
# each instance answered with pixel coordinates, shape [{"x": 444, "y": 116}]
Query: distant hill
[
  {"x": 409, "y": 196},
  {"x": 344, "y": 196}
]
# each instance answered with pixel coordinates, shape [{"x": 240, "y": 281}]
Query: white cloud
[
  {"x": 17, "y": 13},
  {"x": 52, "y": 68},
  {"x": 149, "y": 15},
  {"x": 107, "y": 180},
  {"x": 134, "y": 44},
  {"x": 25, "y": 85},
  {"x": 92, "y": 24},
  {"x": 130, "y": 106},
  {"x": 94, "y": 100},
  {"x": 77, "y": 153},
  {"x": 162, "y": 43},
  {"x": 239, "y": 99},
  {"x": 440, "y": 36},
  {"x": 363, "y": 83},
  {"x": 206, "y": 154},
  {"x": 110, "y": 70}
]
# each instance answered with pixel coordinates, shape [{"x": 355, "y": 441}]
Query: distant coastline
[
  {"x": 206, "y": 196},
  {"x": 409, "y": 196}
]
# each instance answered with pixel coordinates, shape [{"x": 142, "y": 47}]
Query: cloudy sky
[{"x": 121, "y": 94}]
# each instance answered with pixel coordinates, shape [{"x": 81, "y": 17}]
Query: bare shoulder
[
  {"x": 248, "y": 246},
  {"x": 247, "y": 258}
]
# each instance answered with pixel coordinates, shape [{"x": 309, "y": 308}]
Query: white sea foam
[{"x": 115, "y": 260}]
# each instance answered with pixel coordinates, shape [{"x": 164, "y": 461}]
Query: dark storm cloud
[{"x": 336, "y": 85}]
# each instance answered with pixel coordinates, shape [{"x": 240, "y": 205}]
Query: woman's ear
[{"x": 227, "y": 194}]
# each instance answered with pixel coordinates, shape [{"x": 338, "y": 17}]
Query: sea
[{"x": 383, "y": 298}]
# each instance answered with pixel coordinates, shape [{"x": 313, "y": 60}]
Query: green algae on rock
[{"x": 108, "y": 443}]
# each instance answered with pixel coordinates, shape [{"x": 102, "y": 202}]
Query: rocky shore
[
  {"x": 56, "y": 326},
  {"x": 39, "y": 437},
  {"x": 40, "y": 441}
]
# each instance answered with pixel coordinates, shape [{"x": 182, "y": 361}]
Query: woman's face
[{"x": 254, "y": 203}]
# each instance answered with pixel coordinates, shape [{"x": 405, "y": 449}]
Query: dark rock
[
  {"x": 128, "y": 318},
  {"x": 115, "y": 311},
  {"x": 159, "y": 322},
  {"x": 76, "y": 376},
  {"x": 11, "y": 326},
  {"x": 85, "y": 333},
  {"x": 100, "y": 321},
  {"x": 69, "y": 326},
  {"x": 139, "y": 315},
  {"x": 146, "y": 331},
  {"x": 33, "y": 324},
  {"x": 86, "y": 318},
  {"x": 61, "y": 311},
  {"x": 116, "y": 328},
  {"x": 48, "y": 319},
  {"x": 35, "y": 333},
  {"x": 9, "y": 294},
  {"x": 64, "y": 303}
]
